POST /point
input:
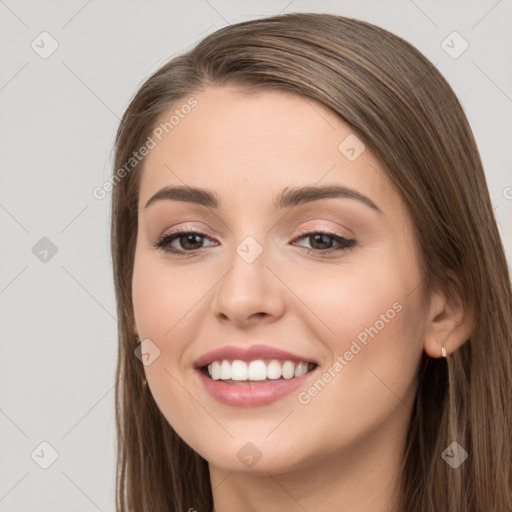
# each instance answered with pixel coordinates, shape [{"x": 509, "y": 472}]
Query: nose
[{"x": 249, "y": 293}]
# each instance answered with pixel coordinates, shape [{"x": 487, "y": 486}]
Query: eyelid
[
  {"x": 305, "y": 230},
  {"x": 301, "y": 231},
  {"x": 186, "y": 227}
]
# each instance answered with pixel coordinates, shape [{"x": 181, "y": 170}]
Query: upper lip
[{"x": 232, "y": 352}]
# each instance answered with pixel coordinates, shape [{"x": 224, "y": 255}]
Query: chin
[{"x": 255, "y": 457}]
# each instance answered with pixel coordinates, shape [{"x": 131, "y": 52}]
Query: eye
[
  {"x": 322, "y": 242},
  {"x": 189, "y": 241}
]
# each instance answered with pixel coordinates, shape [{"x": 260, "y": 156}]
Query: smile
[
  {"x": 256, "y": 370},
  {"x": 254, "y": 389}
]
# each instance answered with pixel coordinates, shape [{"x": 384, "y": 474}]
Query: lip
[
  {"x": 232, "y": 352},
  {"x": 252, "y": 394}
]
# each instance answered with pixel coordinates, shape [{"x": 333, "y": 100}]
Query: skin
[{"x": 341, "y": 451}]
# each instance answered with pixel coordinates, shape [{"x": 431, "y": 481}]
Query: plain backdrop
[{"x": 59, "y": 113}]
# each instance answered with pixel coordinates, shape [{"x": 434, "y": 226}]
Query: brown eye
[
  {"x": 187, "y": 242},
  {"x": 322, "y": 243},
  {"x": 190, "y": 241}
]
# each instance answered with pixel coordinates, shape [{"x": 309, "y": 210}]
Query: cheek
[
  {"x": 163, "y": 302},
  {"x": 166, "y": 303},
  {"x": 162, "y": 297},
  {"x": 348, "y": 302},
  {"x": 367, "y": 310},
  {"x": 373, "y": 317}
]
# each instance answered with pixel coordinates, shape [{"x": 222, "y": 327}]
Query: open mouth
[{"x": 256, "y": 371}]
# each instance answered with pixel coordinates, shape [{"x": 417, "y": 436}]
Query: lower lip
[{"x": 253, "y": 394}]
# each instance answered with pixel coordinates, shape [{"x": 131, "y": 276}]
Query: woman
[{"x": 307, "y": 263}]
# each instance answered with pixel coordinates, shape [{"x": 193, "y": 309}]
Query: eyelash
[{"x": 163, "y": 243}]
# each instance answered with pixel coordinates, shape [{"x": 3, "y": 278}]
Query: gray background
[{"x": 58, "y": 119}]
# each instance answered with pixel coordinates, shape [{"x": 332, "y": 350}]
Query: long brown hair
[{"x": 398, "y": 103}]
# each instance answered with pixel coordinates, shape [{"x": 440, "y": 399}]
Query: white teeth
[
  {"x": 215, "y": 370},
  {"x": 256, "y": 370},
  {"x": 288, "y": 370},
  {"x": 274, "y": 369},
  {"x": 225, "y": 370},
  {"x": 238, "y": 370},
  {"x": 301, "y": 369}
]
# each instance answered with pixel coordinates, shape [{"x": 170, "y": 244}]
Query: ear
[{"x": 449, "y": 322}]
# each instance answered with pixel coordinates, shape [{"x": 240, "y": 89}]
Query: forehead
[{"x": 248, "y": 144}]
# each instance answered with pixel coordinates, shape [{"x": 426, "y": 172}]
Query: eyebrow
[{"x": 286, "y": 199}]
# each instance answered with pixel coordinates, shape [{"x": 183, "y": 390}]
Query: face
[{"x": 261, "y": 273}]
